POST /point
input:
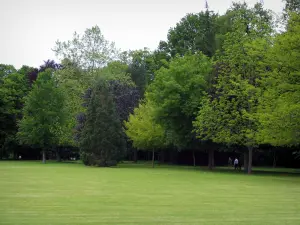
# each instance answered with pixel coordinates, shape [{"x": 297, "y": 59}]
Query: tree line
[{"x": 219, "y": 80}]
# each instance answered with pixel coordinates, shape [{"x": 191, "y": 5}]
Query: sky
[{"x": 30, "y": 28}]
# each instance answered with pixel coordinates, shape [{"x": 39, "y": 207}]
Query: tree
[
  {"x": 125, "y": 96},
  {"x": 279, "y": 111},
  {"x": 6, "y": 70},
  {"x": 101, "y": 140},
  {"x": 115, "y": 70},
  {"x": 177, "y": 90},
  {"x": 142, "y": 64},
  {"x": 138, "y": 68},
  {"x": 72, "y": 81},
  {"x": 291, "y": 6},
  {"x": 89, "y": 51},
  {"x": 142, "y": 129},
  {"x": 43, "y": 114},
  {"x": 194, "y": 32},
  {"x": 229, "y": 116},
  {"x": 75, "y": 81},
  {"x": 30, "y": 73},
  {"x": 13, "y": 89}
]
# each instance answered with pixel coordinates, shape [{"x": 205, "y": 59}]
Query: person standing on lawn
[{"x": 236, "y": 163}]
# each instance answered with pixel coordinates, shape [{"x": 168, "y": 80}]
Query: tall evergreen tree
[{"x": 102, "y": 140}]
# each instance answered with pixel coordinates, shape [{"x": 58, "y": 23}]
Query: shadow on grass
[{"x": 259, "y": 171}]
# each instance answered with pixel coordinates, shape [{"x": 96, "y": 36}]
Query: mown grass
[{"x": 69, "y": 193}]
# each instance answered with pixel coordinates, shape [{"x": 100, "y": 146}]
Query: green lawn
[{"x": 70, "y": 193}]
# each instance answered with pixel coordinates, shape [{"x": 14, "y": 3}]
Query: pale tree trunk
[
  {"x": 44, "y": 156},
  {"x": 194, "y": 158},
  {"x": 210, "y": 159},
  {"x": 246, "y": 159},
  {"x": 58, "y": 158},
  {"x": 153, "y": 158},
  {"x": 250, "y": 149}
]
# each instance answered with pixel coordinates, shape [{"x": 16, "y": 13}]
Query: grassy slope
[{"x": 32, "y": 193}]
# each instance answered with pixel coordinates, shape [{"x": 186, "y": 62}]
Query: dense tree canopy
[
  {"x": 229, "y": 117},
  {"x": 44, "y": 114},
  {"x": 141, "y": 128},
  {"x": 177, "y": 90},
  {"x": 14, "y": 88},
  {"x": 280, "y": 109},
  {"x": 195, "y": 32},
  {"x": 219, "y": 81}
]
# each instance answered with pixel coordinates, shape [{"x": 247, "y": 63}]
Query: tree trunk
[
  {"x": 44, "y": 156},
  {"x": 135, "y": 158},
  {"x": 250, "y": 159},
  {"x": 58, "y": 158},
  {"x": 213, "y": 158},
  {"x": 194, "y": 158},
  {"x": 210, "y": 159},
  {"x": 153, "y": 158},
  {"x": 274, "y": 159},
  {"x": 173, "y": 156},
  {"x": 246, "y": 161},
  {"x": 162, "y": 157}
]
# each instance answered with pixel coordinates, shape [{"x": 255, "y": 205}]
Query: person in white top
[{"x": 236, "y": 163}]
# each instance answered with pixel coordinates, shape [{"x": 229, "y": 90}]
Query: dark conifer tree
[{"x": 102, "y": 140}]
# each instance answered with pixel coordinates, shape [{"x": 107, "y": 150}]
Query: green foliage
[
  {"x": 5, "y": 70},
  {"x": 177, "y": 91},
  {"x": 142, "y": 129},
  {"x": 279, "y": 110},
  {"x": 73, "y": 81},
  {"x": 114, "y": 71},
  {"x": 12, "y": 92},
  {"x": 139, "y": 68},
  {"x": 102, "y": 140},
  {"x": 44, "y": 113},
  {"x": 26, "y": 70},
  {"x": 14, "y": 87},
  {"x": 290, "y": 7},
  {"x": 251, "y": 20},
  {"x": 89, "y": 51},
  {"x": 230, "y": 115},
  {"x": 194, "y": 32},
  {"x": 143, "y": 64}
]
